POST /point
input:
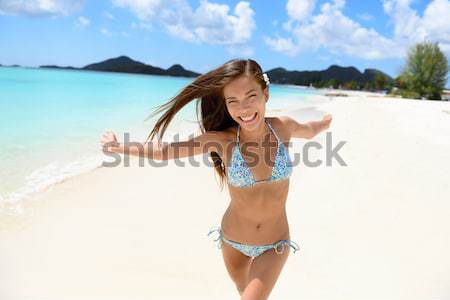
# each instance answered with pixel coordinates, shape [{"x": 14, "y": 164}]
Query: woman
[{"x": 250, "y": 154}]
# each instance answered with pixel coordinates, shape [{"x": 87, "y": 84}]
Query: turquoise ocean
[{"x": 52, "y": 120}]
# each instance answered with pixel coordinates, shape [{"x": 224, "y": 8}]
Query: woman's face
[{"x": 246, "y": 101}]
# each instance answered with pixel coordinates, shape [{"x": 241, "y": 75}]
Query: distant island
[
  {"x": 124, "y": 64},
  {"x": 333, "y": 76},
  {"x": 11, "y": 66}
]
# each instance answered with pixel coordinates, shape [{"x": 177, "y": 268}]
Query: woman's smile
[{"x": 249, "y": 119}]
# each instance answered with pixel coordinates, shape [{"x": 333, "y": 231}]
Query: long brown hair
[{"x": 208, "y": 90}]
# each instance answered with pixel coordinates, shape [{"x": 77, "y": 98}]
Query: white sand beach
[{"x": 378, "y": 228}]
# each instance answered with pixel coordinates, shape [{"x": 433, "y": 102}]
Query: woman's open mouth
[{"x": 248, "y": 119}]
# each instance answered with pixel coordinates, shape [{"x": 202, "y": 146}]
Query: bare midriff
[{"x": 257, "y": 215}]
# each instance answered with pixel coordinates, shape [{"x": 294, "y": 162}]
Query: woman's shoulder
[
  {"x": 224, "y": 136},
  {"x": 281, "y": 126},
  {"x": 224, "y": 139},
  {"x": 229, "y": 134},
  {"x": 277, "y": 120}
]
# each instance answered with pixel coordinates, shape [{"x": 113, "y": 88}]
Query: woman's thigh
[
  {"x": 263, "y": 274},
  {"x": 237, "y": 264}
]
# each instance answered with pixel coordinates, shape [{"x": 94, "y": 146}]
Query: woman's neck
[{"x": 255, "y": 136}]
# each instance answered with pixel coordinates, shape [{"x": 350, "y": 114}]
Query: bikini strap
[
  {"x": 273, "y": 131},
  {"x": 290, "y": 243},
  {"x": 219, "y": 238},
  {"x": 268, "y": 124},
  {"x": 294, "y": 245},
  {"x": 237, "y": 136}
]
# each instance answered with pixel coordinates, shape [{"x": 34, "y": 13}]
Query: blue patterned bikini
[{"x": 240, "y": 175}]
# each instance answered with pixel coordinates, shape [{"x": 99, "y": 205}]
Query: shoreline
[{"x": 310, "y": 104}]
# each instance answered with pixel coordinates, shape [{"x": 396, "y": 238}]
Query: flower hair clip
[{"x": 266, "y": 78}]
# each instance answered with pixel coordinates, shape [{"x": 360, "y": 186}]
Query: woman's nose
[{"x": 245, "y": 104}]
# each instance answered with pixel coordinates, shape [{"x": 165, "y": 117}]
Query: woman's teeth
[{"x": 248, "y": 119}]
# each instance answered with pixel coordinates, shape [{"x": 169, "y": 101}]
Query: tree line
[{"x": 423, "y": 76}]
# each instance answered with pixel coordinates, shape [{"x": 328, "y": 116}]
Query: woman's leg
[
  {"x": 238, "y": 266},
  {"x": 263, "y": 274}
]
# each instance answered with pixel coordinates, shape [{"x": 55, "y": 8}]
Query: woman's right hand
[{"x": 108, "y": 141}]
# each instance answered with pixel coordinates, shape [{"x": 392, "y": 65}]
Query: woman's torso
[{"x": 257, "y": 214}]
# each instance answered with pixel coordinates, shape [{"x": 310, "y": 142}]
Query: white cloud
[
  {"x": 436, "y": 22},
  {"x": 178, "y": 30},
  {"x": 40, "y": 7},
  {"x": 406, "y": 20},
  {"x": 144, "y": 9},
  {"x": 410, "y": 27},
  {"x": 300, "y": 10},
  {"x": 210, "y": 23},
  {"x": 284, "y": 45},
  {"x": 82, "y": 21},
  {"x": 330, "y": 29}
]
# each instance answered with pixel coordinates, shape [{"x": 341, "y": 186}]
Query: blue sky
[{"x": 202, "y": 34}]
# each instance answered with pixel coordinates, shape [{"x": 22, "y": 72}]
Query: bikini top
[{"x": 240, "y": 175}]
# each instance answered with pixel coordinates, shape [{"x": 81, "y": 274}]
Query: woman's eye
[{"x": 233, "y": 101}]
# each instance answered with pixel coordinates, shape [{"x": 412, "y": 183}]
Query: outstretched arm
[
  {"x": 306, "y": 130},
  {"x": 209, "y": 141}
]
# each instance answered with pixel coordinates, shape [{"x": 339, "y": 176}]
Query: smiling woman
[{"x": 254, "y": 228}]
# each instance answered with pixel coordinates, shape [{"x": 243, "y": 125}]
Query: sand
[{"x": 378, "y": 228}]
